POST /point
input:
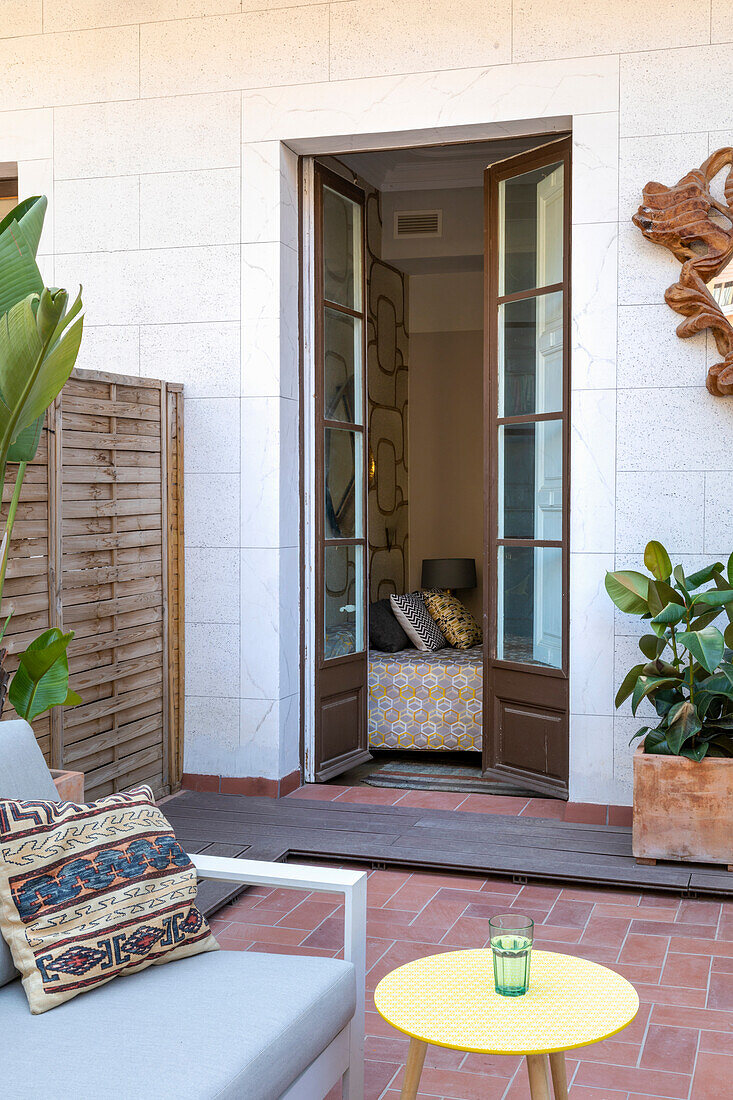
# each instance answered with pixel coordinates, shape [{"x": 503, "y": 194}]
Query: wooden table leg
[
  {"x": 539, "y": 1084},
  {"x": 559, "y": 1075},
  {"x": 413, "y": 1069}
]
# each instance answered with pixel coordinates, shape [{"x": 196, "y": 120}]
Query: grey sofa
[{"x": 224, "y": 1025}]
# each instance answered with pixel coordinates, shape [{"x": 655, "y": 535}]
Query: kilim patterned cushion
[
  {"x": 455, "y": 620},
  {"x": 88, "y": 892},
  {"x": 412, "y": 615}
]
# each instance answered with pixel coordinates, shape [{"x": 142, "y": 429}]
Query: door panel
[
  {"x": 527, "y": 268},
  {"x": 341, "y": 558}
]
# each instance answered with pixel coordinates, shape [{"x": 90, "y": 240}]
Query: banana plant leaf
[
  {"x": 42, "y": 679},
  {"x": 26, "y": 443},
  {"x": 20, "y": 232}
]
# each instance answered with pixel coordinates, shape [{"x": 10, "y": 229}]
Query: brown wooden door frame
[
  {"x": 341, "y": 689},
  {"x": 517, "y": 696}
]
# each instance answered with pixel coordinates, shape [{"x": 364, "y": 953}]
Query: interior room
[{"x": 424, "y": 306}]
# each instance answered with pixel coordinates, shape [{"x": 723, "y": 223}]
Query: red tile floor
[{"x": 677, "y": 952}]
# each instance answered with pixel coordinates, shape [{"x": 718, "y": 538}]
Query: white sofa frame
[{"x": 343, "y": 1058}]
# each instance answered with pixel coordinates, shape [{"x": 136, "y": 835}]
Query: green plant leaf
[
  {"x": 683, "y": 722},
  {"x": 705, "y": 619},
  {"x": 705, "y": 645},
  {"x": 20, "y": 232},
  {"x": 728, "y": 636},
  {"x": 655, "y": 743},
  {"x": 42, "y": 678},
  {"x": 645, "y": 685},
  {"x": 702, "y": 575},
  {"x": 629, "y": 590},
  {"x": 713, "y": 597},
  {"x": 729, "y": 570},
  {"x": 651, "y": 646},
  {"x": 671, "y": 614},
  {"x": 656, "y": 559},
  {"x": 26, "y": 443},
  {"x": 695, "y": 752},
  {"x": 628, "y": 684}
]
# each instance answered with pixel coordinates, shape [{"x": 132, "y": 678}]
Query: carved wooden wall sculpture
[{"x": 683, "y": 219}]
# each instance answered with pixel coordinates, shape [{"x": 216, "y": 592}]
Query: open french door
[
  {"x": 341, "y": 632},
  {"x": 526, "y": 370}
]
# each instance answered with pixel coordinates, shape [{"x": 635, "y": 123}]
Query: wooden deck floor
[{"x": 520, "y": 848}]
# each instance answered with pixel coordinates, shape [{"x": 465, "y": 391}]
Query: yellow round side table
[{"x": 449, "y": 1000}]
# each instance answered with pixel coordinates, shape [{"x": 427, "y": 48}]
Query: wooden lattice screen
[{"x": 98, "y": 549}]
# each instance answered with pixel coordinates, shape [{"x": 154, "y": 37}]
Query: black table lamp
[{"x": 448, "y": 573}]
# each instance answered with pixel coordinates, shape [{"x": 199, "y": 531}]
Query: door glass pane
[
  {"x": 529, "y": 598},
  {"x": 531, "y": 229},
  {"x": 342, "y": 367},
  {"x": 341, "y": 250},
  {"x": 344, "y": 479},
  {"x": 530, "y": 480},
  {"x": 343, "y": 601},
  {"x": 531, "y": 355}
]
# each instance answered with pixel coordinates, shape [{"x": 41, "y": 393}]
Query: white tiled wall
[{"x": 165, "y": 134}]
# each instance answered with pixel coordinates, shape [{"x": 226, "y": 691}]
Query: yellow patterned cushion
[
  {"x": 456, "y": 621},
  {"x": 88, "y": 892}
]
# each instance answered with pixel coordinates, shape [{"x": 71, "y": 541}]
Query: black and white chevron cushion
[{"x": 417, "y": 622}]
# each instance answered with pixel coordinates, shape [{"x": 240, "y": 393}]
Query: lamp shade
[{"x": 448, "y": 573}]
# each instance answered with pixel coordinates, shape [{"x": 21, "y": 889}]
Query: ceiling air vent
[{"x": 418, "y": 223}]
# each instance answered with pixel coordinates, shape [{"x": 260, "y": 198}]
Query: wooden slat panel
[{"x": 98, "y": 549}]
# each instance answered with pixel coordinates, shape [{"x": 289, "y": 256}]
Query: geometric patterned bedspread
[{"x": 426, "y": 700}]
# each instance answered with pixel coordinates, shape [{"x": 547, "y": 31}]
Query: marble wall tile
[
  {"x": 594, "y": 266},
  {"x": 650, "y": 82},
  {"x": 270, "y": 353},
  {"x": 212, "y": 659},
  {"x": 172, "y": 285},
  {"x": 211, "y": 435},
  {"x": 379, "y": 38},
  {"x": 100, "y": 13},
  {"x": 623, "y": 755},
  {"x": 21, "y": 17},
  {"x": 26, "y": 135},
  {"x": 260, "y": 736},
  {"x": 605, "y": 28},
  {"x": 113, "y": 348},
  {"x": 204, "y": 357},
  {"x": 591, "y": 757},
  {"x": 651, "y": 354},
  {"x": 250, "y": 50},
  {"x": 50, "y": 70},
  {"x": 35, "y": 177},
  {"x": 718, "y": 540},
  {"x": 652, "y": 423},
  {"x": 265, "y": 674},
  {"x": 148, "y": 135},
  {"x": 591, "y": 635},
  {"x": 269, "y": 463},
  {"x": 592, "y": 473},
  {"x": 666, "y": 505},
  {"x": 211, "y": 509},
  {"x": 211, "y": 737},
  {"x": 269, "y": 201},
  {"x": 595, "y": 167},
  {"x": 645, "y": 269},
  {"x": 212, "y": 585},
  {"x": 190, "y": 208},
  {"x": 429, "y": 101},
  {"x": 665, "y": 158},
  {"x": 97, "y": 215}
]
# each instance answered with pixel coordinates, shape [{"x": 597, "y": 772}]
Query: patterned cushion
[
  {"x": 88, "y": 892},
  {"x": 412, "y": 615},
  {"x": 455, "y": 620}
]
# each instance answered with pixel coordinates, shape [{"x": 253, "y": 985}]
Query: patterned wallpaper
[{"x": 387, "y": 343}]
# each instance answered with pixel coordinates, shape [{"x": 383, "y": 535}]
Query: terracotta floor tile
[
  {"x": 557, "y": 934},
  {"x": 439, "y": 913},
  {"x": 544, "y": 807},
  {"x": 712, "y": 1073},
  {"x": 586, "y": 813},
  {"x": 666, "y": 901},
  {"x": 328, "y": 934},
  {"x": 493, "y": 804},
  {"x": 694, "y": 911},
  {"x": 308, "y": 914},
  {"x": 290, "y": 949},
  {"x": 716, "y": 1042},
  {"x": 413, "y": 896},
  {"x": 636, "y": 1030},
  {"x": 454, "y": 881},
  {"x": 570, "y": 914},
  {"x": 688, "y": 970},
  {"x": 652, "y": 1081},
  {"x": 635, "y": 972},
  {"x": 584, "y": 1092},
  {"x": 459, "y": 1085},
  {"x": 670, "y": 1048},
  {"x": 707, "y": 1018},
  {"x": 633, "y": 912},
  {"x": 371, "y": 796},
  {"x": 543, "y": 896},
  {"x": 720, "y": 994},
  {"x": 667, "y": 928},
  {"x": 647, "y": 950},
  {"x": 616, "y": 1052},
  {"x": 670, "y": 995},
  {"x": 377, "y": 1075},
  {"x": 607, "y": 931},
  {"x": 620, "y": 815},
  {"x": 433, "y": 800},
  {"x": 250, "y": 932},
  {"x": 485, "y": 910},
  {"x": 323, "y": 792},
  {"x": 397, "y": 955},
  {"x": 467, "y": 932},
  {"x": 723, "y": 966}
]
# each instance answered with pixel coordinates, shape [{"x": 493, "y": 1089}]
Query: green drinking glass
[{"x": 511, "y": 944}]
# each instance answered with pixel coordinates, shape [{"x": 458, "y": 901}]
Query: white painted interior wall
[{"x": 156, "y": 127}]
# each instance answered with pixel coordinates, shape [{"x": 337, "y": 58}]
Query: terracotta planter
[
  {"x": 70, "y": 785},
  {"x": 683, "y": 810}
]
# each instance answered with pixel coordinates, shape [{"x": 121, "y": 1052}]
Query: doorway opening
[{"x": 440, "y": 300}]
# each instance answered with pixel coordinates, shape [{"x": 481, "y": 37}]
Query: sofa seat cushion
[{"x": 230, "y": 1025}]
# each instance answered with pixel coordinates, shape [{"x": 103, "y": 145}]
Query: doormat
[{"x": 414, "y": 775}]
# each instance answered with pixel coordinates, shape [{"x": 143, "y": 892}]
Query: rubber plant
[
  {"x": 39, "y": 343},
  {"x": 686, "y": 672}
]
